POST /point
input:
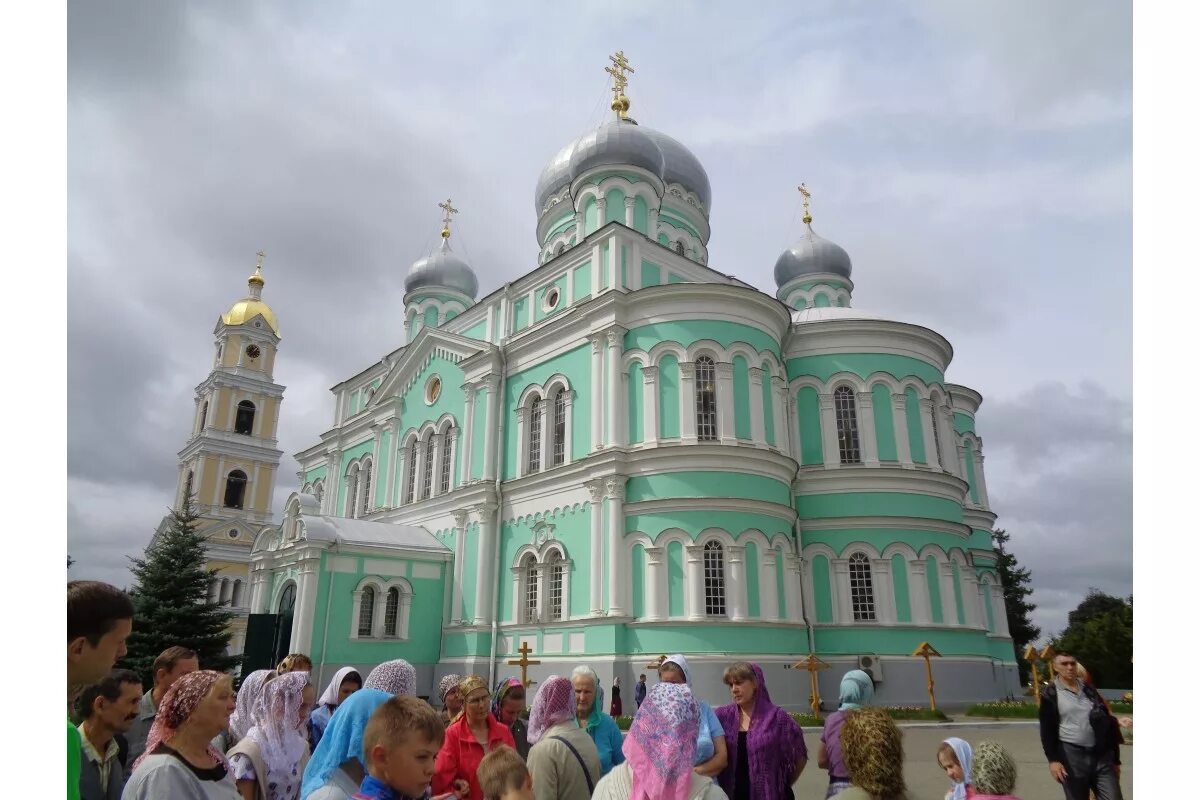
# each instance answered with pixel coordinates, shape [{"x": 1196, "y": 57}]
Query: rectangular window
[{"x": 447, "y": 447}]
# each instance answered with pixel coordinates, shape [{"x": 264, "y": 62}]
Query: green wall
[
  {"x": 637, "y": 422},
  {"x": 822, "y": 598},
  {"x": 863, "y": 365},
  {"x": 754, "y": 605},
  {"x": 638, "y": 580},
  {"x": 900, "y": 585},
  {"x": 685, "y": 332},
  {"x": 886, "y": 504},
  {"x": 885, "y": 427},
  {"x": 741, "y": 398},
  {"x": 934, "y": 585},
  {"x": 808, "y": 407},
  {"x": 768, "y": 405},
  {"x": 651, "y": 274},
  {"x": 675, "y": 579},
  {"x": 696, "y": 483},
  {"x": 668, "y": 397},
  {"x": 912, "y": 417},
  {"x": 582, "y": 281}
]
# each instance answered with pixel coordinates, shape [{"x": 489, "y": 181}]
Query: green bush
[
  {"x": 1121, "y": 707},
  {"x": 1004, "y": 709},
  {"x": 915, "y": 712},
  {"x": 624, "y": 722},
  {"x": 807, "y": 720}
]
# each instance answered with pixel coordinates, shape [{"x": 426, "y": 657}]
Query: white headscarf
[
  {"x": 248, "y": 697},
  {"x": 330, "y": 696},
  {"x": 280, "y": 734}
]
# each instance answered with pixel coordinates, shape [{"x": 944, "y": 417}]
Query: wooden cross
[
  {"x": 1031, "y": 655},
  {"x": 658, "y": 662},
  {"x": 813, "y": 665},
  {"x": 926, "y": 650},
  {"x": 524, "y": 663},
  {"x": 447, "y": 209}
]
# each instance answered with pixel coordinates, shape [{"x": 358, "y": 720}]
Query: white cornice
[
  {"x": 841, "y": 336},
  {"x": 734, "y": 504},
  {"x": 237, "y": 378},
  {"x": 706, "y": 301},
  {"x": 710, "y": 458},
  {"x": 898, "y": 523},
  {"x": 964, "y": 399},
  {"x": 979, "y": 518},
  {"x": 234, "y": 445},
  {"x": 859, "y": 478}
]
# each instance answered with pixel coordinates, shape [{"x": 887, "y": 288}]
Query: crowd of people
[{"x": 192, "y": 736}]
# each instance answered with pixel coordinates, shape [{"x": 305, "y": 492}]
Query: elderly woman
[
  {"x": 589, "y": 711},
  {"x": 856, "y": 691},
  {"x": 450, "y": 697},
  {"x": 508, "y": 701},
  {"x": 346, "y": 681},
  {"x": 660, "y": 751},
  {"x": 269, "y": 761},
  {"x": 396, "y": 677},
  {"x": 563, "y": 759},
  {"x": 335, "y": 770},
  {"x": 765, "y": 745},
  {"x": 874, "y": 754},
  {"x": 468, "y": 739},
  {"x": 711, "y": 755},
  {"x": 180, "y": 760},
  {"x": 994, "y": 771}
]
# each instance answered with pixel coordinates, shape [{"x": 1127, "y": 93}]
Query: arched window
[
  {"x": 529, "y": 575},
  {"x": 679, "y": 247},
  {"x": 554, "y": 585},
  {"x": 862, "y": 593},
  {"x": 243, "y": 423},
  {"x": 287, "y": 600},
  {"x": 447, "y": 447},
  {"x": 847, "y": 425},
  {"x": 427, "y": 472},
  {"x": 366, "y": 611},
  {"x": 364, "y": 496},
  {"x": 390, "y": 612},
  {"x": 706, "y": 399},
  {"x": 937, "y": 440},
  {"x": 533, "y": 457},
  {"x": 235, "y": 489},
  {"x": 224, "y": 598},
  {"x": 714, "y": 579},
  {"x": 411, "y": 487},
  {"x": 352, "y": 492},
  {"x": 558, "y": 450},
  {"x": 319, "y": 490}
]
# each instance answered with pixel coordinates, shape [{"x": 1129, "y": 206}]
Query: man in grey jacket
[
  {"x": 107, "y": 708},
  {"x": 171, "y": 665}
]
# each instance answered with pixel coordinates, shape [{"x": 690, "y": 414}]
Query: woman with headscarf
[
  {"x": 242, "y": 720},
  {"x": 180, "y": 761},
  {"x": 468, "y": 739},
  {"x": 857, "y": 690},
  {"x": 954, "y": 756},
  {"x": 563, "y": 758},
  {"x": 711, "y": 755},
  {"x": 614, "y": 708},
  {"x": 508, "y": 701},
  {"x": 335, "y": 770},
  {"x": 269, "y": 762},
  {"x": 589, "y": 712},
  {"x": 994, "y": 772},
  {"x": 450, "y": 697},
  {"x": 874, "y": 754},
  {"x": 346, "y": 681},
  {"x": 396, "y": 677},
  {"x": 659, "y": 752},
  {"x": 765, "y": 745}
]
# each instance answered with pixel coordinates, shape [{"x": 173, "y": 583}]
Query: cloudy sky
[{"x": 973, "y": 158}]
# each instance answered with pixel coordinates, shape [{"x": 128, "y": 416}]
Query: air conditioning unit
[{"x": 873, "y": 666}]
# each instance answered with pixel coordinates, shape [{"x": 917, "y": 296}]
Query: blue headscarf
[
  {"x": 962, "y": 751},
  {"x": 343, "y": 739},
  {"x": 857, "y": 690}
]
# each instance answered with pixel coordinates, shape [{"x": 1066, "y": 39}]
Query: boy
[
  {"x": 503, "y": 776},
  {"x": 401, "y": 744}
]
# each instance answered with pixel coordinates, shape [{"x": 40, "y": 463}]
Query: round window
[
  {"x": 551, "y": 299},
  {"x": 433, "y": 390}
]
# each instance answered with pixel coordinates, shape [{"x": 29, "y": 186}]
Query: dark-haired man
[
  {"x": 171, "y": 665},
  {"x": 107, "y": 708},
  {"x": 1079, "y": 736},
  {"x": 99, "y": 620}
]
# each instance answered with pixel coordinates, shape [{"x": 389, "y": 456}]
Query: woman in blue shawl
[
  {"x": 856, "y": 691},
  {"x": 335, "y": 770},
  {"x": 589, "y": 711}
]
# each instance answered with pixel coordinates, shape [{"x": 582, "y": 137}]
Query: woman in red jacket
[{"x": 468, "y": 739}]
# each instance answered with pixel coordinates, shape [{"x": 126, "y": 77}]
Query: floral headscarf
[
  {"x": 446, "y": 684},
  {"x": 993, "y": 769},
  {"x": 774, "y": 737},
  {"x": 597, "y": 712},
  {"x": 962, "y": 751},
  {"x": 333, "y": 690},
  {"x": 279, "y": 733},
  {"x": 343, "y": 739},
  {"x": 856, "y": 691},
  {"x": 501, "y": 691},
  {"x": 247, "y": 698},
  {"x": 662, "y": 743},
  {"x": 874, "y": 753},
  {"x": 396, "y": 677},
  {"x": 553, "y": 705},
  {"x": 178, "y": 704}
]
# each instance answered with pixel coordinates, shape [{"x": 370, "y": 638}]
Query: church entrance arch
[{"x": 283, "y": 628}]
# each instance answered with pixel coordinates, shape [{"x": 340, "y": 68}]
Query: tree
[
  {"x": 1100, "y": 635},
  {"x": 170, "y": 601},
  {"x": 1017, "y": 590}
]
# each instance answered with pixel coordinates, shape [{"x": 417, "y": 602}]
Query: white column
[
  {"x": 949, "y": 440},
  {"x": 333, "y": 464},
  {"x": 618, "y": 568},
  {"x": 650, "y": 404},
  {"x": 843, "y": 610},
  {"x": 492, "y": 413},
  {"x": 464, "y": 458},
  {"x": 530, "y": 302},
  {"x": 999, "y": 611},
  {"x": 806, "y": 588},
  {"x": 461, "y": 517},
  {"x": 258, "y": 590},
  {"x": 725, "y": 425},
  {"x": 485, "y": 513},
  {"x": 546, "y": 412},
  {"x": 980, "y": 480},
  {"x": 885, "y": 591},
  {"x": 779, "y": 411},
  {"x": 868, "y": 441},
  {"x": 389, "y": 491},
  {"x": 629, "y": 202},
  {"x": 652, "y": 219},
  {"x": 569, "y": 412},
  {"x": 961, "y": 449},
  {"x": 613, "y": 378},
  {"x": 601, "y": 211},
  {"x": 791, "y": 587},
  {"x": 900, "y": 424},
  {"x": 972, "y": 608},
  {"x": 694, "y": 570},
  {"x": 687, "y": 401},
  {"x": 596, "y": 555},
  {"x": 735, "y": 590},
  {"x": 949, "y": 607},
  {"x": 596, "y": 392},
  {"x": 793, "y": 426},
  {"x": 758, "y": 422},
  {"x": 522, "y": 441},
  {"x": 635, "y": 264},
  {"x": 418, "y": 468},
  {"x": 768, "y": 588},
  {"x": 597, "y": 268},
  {"x": 932, "y": 457},
  {"x": 516, "y": 595},
  {"x": 579, "y": 234},
  {"x": 614, "y": 263},
  {"x": 829, "y": 437},
  {"x": 656, "y": 582},
  {"x": 918, "y": 593},
  {"x": 437, "y": 441},
  {"x": 306, "y": 606}
]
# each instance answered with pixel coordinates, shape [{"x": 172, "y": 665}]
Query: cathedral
[{"x": 620, "y": 454}]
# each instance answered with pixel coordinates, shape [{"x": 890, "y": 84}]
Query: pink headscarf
[
  {"x": 178, "y": 704},
  {"x": 280, "y": 733},
  {"x": 554, "y": 704},
  {"x": 661, "y": 744}
]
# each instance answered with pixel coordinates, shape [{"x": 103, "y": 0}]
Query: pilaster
[{"x": 900, "y": 425}]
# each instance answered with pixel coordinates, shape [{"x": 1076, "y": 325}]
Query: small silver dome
[
  {"x": 683, "y": 167},
  {"x": 443, "y": 269},
  {"x": 809, "y": 256},
  {"x": 554, "y": 177},
  {"x": 619, "y": 143}
]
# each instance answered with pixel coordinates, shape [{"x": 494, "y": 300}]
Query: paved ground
[{"x": 925, "y": 779}]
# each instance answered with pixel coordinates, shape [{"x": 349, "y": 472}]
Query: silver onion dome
[
  {"x": 443, "y": 269},
  {"x": 682, "y": 167},
  {"x": 809, "y": 256}
]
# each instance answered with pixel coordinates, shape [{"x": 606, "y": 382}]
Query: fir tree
[
  {"x": 1017, "y": 590},
  {"x": 170, "y": 600}
]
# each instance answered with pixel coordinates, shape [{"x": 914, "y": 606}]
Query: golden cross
[
  {"x": 524, "y": 661},
  {"x": 261, "y": 255},
  {"x": 806, "y": 195},
  {"x": 447, "y": 209},
  {"x": 658, "y": 662},
  {"x": 620, "y": 65}
]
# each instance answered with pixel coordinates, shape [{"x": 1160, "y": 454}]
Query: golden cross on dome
[
  {"x": 447, "y": 210},
  {"x": 261, "y": 255},
  {"x": 620, "y": 65},
  {"x": 806, "y": 195}
]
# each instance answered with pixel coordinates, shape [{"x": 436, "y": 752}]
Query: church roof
[{"x": 367, "y": 532}]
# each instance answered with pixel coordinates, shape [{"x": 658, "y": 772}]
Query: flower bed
[
  {"x": 915, "y": 712},
  {"x": 1004, "y": 709}
]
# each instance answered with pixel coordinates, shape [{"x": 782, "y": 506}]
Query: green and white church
[{"x": 625, "y": 453}]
